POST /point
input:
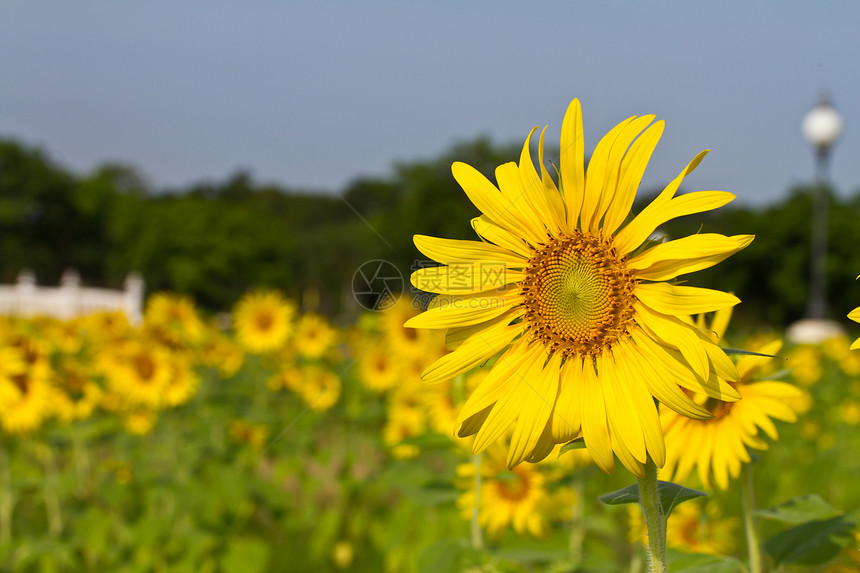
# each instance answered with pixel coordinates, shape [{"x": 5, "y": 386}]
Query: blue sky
[{"x": 312, "y": 94}]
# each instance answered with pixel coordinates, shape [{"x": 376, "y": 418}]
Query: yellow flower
[
  {"x": 263, "y": 321},
  {"x": 140, "y": 421},
  {"x": 722, "y": 441},
  {"x": 577, "y": 303},
  {"x": 517, "y": 498},
  {"x": 76, "y": 394},
  {"x": 314, "y": 336},
  {"x": 378, "y": 369},
  {"x": 174, "y": 317},
  {"x": 404, "y": 341},
  {"x": 25, "y": 399},
  {"x": 318, "y": 387},
  {"x": 138, "y": 372},
  {"x": 183, "y": 383}
]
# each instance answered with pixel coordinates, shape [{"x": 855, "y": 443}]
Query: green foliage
[
  {"x": 670, "y": 495},
  {"x": 577, "y": 444},
  {"x": 812, "y": 543},
  {"x": 809, "y": 507}
]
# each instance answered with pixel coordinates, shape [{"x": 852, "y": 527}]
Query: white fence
[{"x": 70, "y": 299}]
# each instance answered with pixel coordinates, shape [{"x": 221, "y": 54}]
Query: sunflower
[
  {"x": 76, "y": 394},
  {"x": 183, "y": 383},
  {"x": 377, "y": 368},
  {"x": 139, "y": 373},
  {"x": 25, "y": 399},
  {"x": 263, "y": 321},
  {"x": 721, "y": 442},
  {"x": 576, "y": 303},
  {"x": 314, "y": 336},
  {"x": 518, "y": 498},
  {"x": 174, "y": 318}
]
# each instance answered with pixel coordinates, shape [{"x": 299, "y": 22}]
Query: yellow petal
[
  {"x": 597, "y": 174},
  {"x": 646, "y": 222},
  {"x": 612, "y": 169},
  {"x": 479, "y": 348},
  {"x": 508, "y": 407},
  {"x": 500, "y": 236},
  {"x": 535, "y": 411},
  {"x": 683, "y": 300},
  {"x": 467, "y": 277},
  {"x": 627, "y": 438},
  {"x": 551, "y": 193},
  {"x": 488, "y": 199},
  {"x": 673, "y": 332},
  {"x": 517, "y": 198},
  {"x": 451, "y": 311},
  {"x": 632, "y": 169},
  {"x": 572, "y": 161},
  {"x": 595, "y": 427},
  {"x": 642, "y": 401},
  {"x": 566, "y": 420},
  {"x": 689, "y": 254},
  {"x": 662, "y": 386},
  {"x": 449, "y": 251},
  {"x": 535, "y": 194}
]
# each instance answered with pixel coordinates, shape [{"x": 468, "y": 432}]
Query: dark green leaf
[
  {"x": 811, "y": 543},
  {"x": 577, "y": 444},
  {"x": 670, "y": 494},
  {"x": 731, "y": 351},
  {"x": 800, "y": 510}
]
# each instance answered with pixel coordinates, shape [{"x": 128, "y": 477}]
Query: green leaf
[
  {"x": 731, "y": 351},
  {"x": 800, "y": 510},
  {"x": 577, "y": 444},
  {"x": 699, "y": 563},
  {"x": 811, "y": 543},
  {"x": 670, "y": 494}
]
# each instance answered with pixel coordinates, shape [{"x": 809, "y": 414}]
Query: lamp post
[{"x": 822, "y": 126}]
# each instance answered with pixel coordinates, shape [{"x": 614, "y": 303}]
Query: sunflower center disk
[{"x": 578, "y": 295}]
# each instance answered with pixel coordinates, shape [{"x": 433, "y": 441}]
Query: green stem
[
  {"x": 654, "y": 518},
  {"x": 753, "y": 541},
  {"x": 477, "y": 537},
  {"x": 7, "y": 500}
]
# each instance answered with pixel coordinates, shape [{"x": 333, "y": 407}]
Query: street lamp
[{"x": 822, "y": 126}]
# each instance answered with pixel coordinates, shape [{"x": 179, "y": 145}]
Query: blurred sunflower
[
  {"x": 174, "y": 317},
  {"x": 318, "y": 387},
  {"x": 718, "y": 446},
  {"x": 139, "y": 373},
  {"x": 588, "y": 329},
  {"x": 404, "y": 341},
  {"x": 222, "y": 353},
  {"x": 140, "y": 421},
  {"x": 25, "y": 399},
  {"x": 314, "y": 336},
  {"x": 517, "y": 498},
  {"x": 76, "y": 393},
  {"x": 183, "y": 383},
  {"x": 377, "y": 368},
  {"x": 263, "y": 321},
  {"x": 691, "y": 528}
]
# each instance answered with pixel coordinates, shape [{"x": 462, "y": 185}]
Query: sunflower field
[
  {"x": 491, "y": 419},
  {"x": 287, "y": 443}
]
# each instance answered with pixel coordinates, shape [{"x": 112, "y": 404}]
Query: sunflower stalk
[
  {"x": 750, "y": 525},
  {"x": 655, "y": 520}
]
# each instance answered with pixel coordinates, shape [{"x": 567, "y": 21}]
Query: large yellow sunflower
[{"x": 576, "y": 302}]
